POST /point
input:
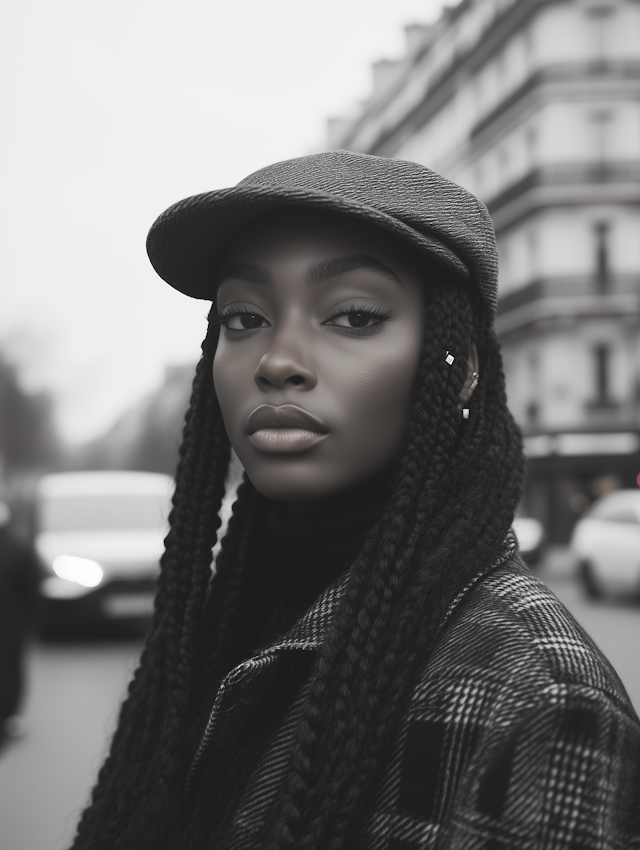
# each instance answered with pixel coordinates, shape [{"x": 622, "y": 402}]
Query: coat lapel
[{"x": 243, "y": 685}]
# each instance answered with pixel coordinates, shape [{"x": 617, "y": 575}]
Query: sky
[{"x": 112, "y": 111}]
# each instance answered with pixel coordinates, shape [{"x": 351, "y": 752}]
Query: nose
[{"x": 285, "y": 365}]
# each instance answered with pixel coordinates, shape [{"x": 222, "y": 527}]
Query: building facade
[{"x": 534, "y": 106}]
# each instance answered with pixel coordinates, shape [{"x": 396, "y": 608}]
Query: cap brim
[{"x": 186, "y": 241}]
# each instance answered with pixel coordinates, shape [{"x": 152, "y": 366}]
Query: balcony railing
[
  {"x": 568, "y": 175},
  {"x": 589, "y": 72},
  {"x": 569, "y": 286}
]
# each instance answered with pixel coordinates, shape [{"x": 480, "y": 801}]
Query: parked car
[
  {"x": 606, "y": 542},
  {"x": 99, "y": 537},
  {"x": 531, "y": 538}
]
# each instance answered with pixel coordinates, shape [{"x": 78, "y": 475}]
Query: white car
[
  {"x": 100, "y": 537},
  {"x": 531, "y": 538},
  {"x": 606, "y": 543}
]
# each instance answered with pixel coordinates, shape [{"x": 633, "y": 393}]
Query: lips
[
  {"x": 283, "y": 416},
  {"x": 284, "y": 429}
]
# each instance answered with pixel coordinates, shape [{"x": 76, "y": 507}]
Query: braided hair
[{"x": 453, "y": 498}]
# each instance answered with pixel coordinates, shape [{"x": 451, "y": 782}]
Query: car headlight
[
  {"x": 529, "y": 533},
  {"x": 83, "y": 571}
]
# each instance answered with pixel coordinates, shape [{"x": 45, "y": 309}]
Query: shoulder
[
  {"x": 509, "y": 634},
  {"x": 517, "y": 715},
  {"x": 515, "y": 720}
]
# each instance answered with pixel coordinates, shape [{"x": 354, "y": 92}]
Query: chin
[{"x": 294, "y": 485}]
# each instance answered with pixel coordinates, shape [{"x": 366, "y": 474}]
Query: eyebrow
[
  {"x": 246, "y": 271},
  {"x": 318, "y": 271},
  {"x": 326, "y": 269}
]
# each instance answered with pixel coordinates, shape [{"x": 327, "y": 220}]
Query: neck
[
  {"x": 369, "y": 492},
  {"x": 317, "y": 539}
]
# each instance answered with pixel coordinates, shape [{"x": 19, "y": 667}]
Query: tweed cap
[{"x": 419, "y": 206}]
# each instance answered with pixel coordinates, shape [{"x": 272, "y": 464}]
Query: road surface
[{"x": 71, "y": 709}]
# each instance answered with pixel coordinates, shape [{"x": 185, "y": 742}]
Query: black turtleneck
[{"x": 316, "y": 542}]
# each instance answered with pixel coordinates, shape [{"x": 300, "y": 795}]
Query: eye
[
  {"x": 358, "y": 318},
  {"x": 238, "y": 319},
  {"x": 245, "y": 321}
]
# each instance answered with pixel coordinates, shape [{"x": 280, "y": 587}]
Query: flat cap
[{"x": 420, "y": 207}]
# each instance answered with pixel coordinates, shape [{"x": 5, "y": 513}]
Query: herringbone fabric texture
[
  {"x": 420, "y": 207},
  {"x": 519, "y": 734}
]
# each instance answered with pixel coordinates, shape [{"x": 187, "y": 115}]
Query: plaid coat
[{"x": 519, "y": 733}]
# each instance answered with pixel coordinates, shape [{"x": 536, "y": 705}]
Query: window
[
  {"x": 602, "y": 366},
  {"x": 501, "y": 70},
  {"x": 90, "y": 513},
  {"x": 601, "y": 131},
  {"x": 503, "y": 160},
  {"x": 532, "y": 252},
  {"x": 599, "y": 18},
  {"x": 623, "y": 515},
  {"x": 531, "y": 141},
  {"x": 478, "y": 173},
  {"x": 533, "y": 407},
  {"x": 602, "y": 263},
  {"x": 527, "y": 38},
  {"x": 615, "y": 512}
]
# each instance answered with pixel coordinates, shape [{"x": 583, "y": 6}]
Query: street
[
  {"x": 71, "y": 708},
  {"x": 75, "y": 690}
]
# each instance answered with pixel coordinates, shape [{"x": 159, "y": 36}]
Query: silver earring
[
  {"x": 474, "y": 380},
  {"x": 449, "y": 358},
  {"x": 465, "y": 412}
]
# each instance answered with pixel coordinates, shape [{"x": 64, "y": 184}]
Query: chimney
[
  {"x": 337, "y": 130},
  {"x": 385, "y": 71},
  {"x": 417, "y": 36}
]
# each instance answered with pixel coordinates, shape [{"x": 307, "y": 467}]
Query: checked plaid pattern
[{"x": 519, "y": 734}]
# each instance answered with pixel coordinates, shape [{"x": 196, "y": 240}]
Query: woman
[{"x": 371, "y": 664}]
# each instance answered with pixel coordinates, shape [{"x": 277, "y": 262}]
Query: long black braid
[
  {"x": 453, "y": 499},
  {"x": 138, "y": 766}
]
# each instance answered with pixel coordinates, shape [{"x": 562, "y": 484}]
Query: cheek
[
  {"x": 221, "y": 379},
  {"x": 378, "y": 396},
  {"x": 387, "y": 392},
  {"x": 229, "y": 382}
]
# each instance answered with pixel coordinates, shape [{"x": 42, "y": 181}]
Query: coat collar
[
  {"x": 312, "y": 629},
  {"x": 239, "y": 688}
]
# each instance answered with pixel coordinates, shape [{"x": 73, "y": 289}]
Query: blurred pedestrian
[
  {"x": 371, "y": 665},
  {"x": 18, "y": 604}
]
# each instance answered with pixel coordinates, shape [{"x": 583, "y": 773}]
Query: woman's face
[{"x": 323, "y": 324}]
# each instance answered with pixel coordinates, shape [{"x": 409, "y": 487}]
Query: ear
[{"x": 473, "y": 369}]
